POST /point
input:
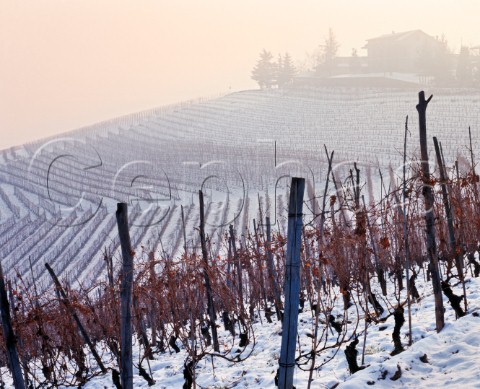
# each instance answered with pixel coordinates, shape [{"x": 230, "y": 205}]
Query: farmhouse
[
  {"x": 403, "y": 52},
  {"x": 405, "y": 59}
]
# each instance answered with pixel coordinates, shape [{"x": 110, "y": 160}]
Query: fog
[{"x": 67, "y": 64}]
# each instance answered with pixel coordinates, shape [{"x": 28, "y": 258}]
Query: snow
[
  {"x": 450, "y": 358},
  {"x": 451, "y": 355}
]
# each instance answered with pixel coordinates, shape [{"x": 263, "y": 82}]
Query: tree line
[{"x": 269, "y": 73}]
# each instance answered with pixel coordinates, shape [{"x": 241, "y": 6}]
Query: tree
[
  {"x": 265, "y": 71},
  {"x": 286, "y": 70},
  {"x": 327, "y": 54}
]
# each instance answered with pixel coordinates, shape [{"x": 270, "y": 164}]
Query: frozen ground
[{"x": 450, "y": 358}]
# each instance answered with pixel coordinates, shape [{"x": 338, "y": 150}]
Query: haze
[{"x": 67, "y": 64}]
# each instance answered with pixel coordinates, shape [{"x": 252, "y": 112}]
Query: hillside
[
  {"x": 65, "y": 188},
  {"x": 368, "y": 229}
]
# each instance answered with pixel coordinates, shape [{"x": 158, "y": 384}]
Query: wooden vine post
[
  {"x": 405, "y": 234},
  {"x": 126, "y": 297},
  {"x": 184, "y": 232},
  {"x": 429, "y": 216},
  {"x": 292, "y": 284},
  {"x": 9, "y": 336},
  {"x": 321, "y": 227},
  {"x": 238, "y": 269},
  {"x": 452, "y": 242},
  {"x": 210, "y": 306}
]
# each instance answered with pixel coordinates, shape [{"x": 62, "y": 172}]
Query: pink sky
[{"x": 67, "y": 64}]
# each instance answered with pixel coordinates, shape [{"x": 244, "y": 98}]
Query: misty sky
[{"x": 67, "y": 64}]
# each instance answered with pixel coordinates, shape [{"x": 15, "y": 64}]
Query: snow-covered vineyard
[
  {"x": 67, "y": 186},
  {"x": 365, "y": 238}
]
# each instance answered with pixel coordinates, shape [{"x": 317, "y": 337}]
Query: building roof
[{"x": 398, "y": 36}]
